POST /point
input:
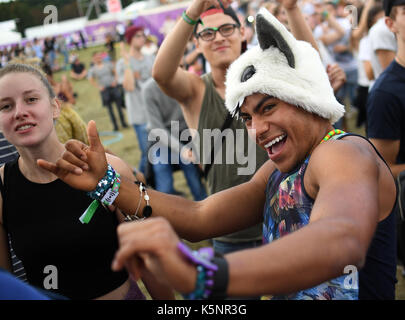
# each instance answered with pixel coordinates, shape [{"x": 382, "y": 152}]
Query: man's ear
[
  {"x": 196, "y": 42},
  {"x": 242, "y": 32},
  {"x": 390, "y": 24}
]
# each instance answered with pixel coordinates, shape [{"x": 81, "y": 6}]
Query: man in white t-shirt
[{"x": 383, "y": 47}]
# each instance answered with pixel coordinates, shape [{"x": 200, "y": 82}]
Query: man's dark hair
[
  {"x": 372, "y": 14},
  {"x": 228, "y": 11}
]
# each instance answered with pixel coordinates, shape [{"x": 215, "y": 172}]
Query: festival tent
[
  {"x": 157, "y": 20},
  {"x": 55, "y": 29},
  {"x": 9, "y": 37},
  {"x": 160, "y": 20}
]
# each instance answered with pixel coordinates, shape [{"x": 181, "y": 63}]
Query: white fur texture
[{"x": 307, "y": 85}]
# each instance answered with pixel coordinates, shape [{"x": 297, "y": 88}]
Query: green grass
[{"x": 90, "y": 108}]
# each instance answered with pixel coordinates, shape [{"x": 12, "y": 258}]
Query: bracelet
[
  {"x": 187, "y": 19},
  {"x": 147, "y": 210},
  {"x": 212, "y": 273},
  {"x": 103, "y": 185},
  {"x": 112, "y": 193},
  {"x": 105, "y": 192}
]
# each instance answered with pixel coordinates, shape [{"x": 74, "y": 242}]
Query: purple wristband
[{"x": 201, "y": 258}]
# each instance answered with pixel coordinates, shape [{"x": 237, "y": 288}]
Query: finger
[
  {"x": 133, "y": 266},
  {"x": 51, "y": 167},
  {"x": 68, "y": 167},
  {"x": 70, "y": 157},
  {"x": 78, "y": 148},
  {"x": 125, "y": 252},
  {"x": 130, "y": 245},
  {"x": 94, "y": 139}
]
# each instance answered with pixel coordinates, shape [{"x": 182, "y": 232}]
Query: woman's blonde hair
[{"x": 27, "y": 68}]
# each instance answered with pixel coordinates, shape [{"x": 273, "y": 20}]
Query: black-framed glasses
[{"x": 225, "y": 30}]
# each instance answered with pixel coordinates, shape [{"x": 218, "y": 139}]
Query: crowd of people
[{"x": 279, "y": 73}]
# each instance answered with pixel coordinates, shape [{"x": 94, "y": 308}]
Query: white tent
[
  {"x": 8, "y": 25},
  {"x": 9, "y": 37},
  {"x": 54, "y": 29}
]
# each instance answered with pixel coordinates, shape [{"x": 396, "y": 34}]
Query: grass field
[{"x": 89, "y": 107}]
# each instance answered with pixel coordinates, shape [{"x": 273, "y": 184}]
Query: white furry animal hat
[{"x": 282, "y": 67}]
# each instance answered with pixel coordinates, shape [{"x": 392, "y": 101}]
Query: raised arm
[
  {"x": 166, "y": 70},
  {"x": 299, "y": 27}
]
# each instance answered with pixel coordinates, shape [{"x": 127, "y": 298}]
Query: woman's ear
[{"x": 56, "y": 106}]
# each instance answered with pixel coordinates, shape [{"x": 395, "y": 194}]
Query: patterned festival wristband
[
  {"x": 187, "y": 19},
  {"x": 105, "y": 192},
  {"x": 112, "y": 193},
  {"x": 104, "y": 184}
]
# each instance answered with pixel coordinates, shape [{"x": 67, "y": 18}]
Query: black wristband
[{"x": 221, "y": 279}]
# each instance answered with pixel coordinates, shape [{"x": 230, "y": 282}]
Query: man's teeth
[
  {"x": 275, "y": 141},
  {"x": 25, "y": 127}
]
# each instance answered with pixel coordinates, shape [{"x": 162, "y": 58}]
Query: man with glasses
[
  {"x": 226, "y": 30},
  {"x": 219, "y": 35}
]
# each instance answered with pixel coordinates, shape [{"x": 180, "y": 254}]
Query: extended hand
[
  {"x": 81, "y": 166},
  {"x": 288, "y": 4},
  {"x": 151, "y": 246},
  {"x": 197, "y": 7}
]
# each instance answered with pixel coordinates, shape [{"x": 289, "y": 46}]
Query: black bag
[{"x": 401, "y": 216}]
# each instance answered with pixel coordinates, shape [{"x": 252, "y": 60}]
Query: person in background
[
  {"x": 383, "y": 47},
  {"x": 386, "y": 106},
  {"x": 133, "y": 70},
  {"x": 78, "y": 70},
  {"x": 110, "y": 45},
  {"x": 102, "y": 75},
  {"x": 163, "y": 112}
]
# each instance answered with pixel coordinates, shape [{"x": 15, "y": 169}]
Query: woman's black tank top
[{"x": 58, "y": 252}]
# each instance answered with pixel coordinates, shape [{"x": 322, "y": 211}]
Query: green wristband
[{"x": 187, "y": 19}]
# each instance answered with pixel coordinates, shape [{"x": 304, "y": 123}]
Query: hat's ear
[{"x": 269, "y": 36}]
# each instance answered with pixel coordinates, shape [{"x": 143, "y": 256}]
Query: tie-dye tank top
[{"x": 288, "y": 208}]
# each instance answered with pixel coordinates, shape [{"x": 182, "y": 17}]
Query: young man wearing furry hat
[
  {"x": 219, "y": 36},
  {"x": 325, "y": 196}
]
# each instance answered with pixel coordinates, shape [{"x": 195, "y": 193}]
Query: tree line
[{"x": 30, "y": 13}]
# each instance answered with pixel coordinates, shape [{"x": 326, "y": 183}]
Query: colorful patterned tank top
[{"x": 287, "y": 209}]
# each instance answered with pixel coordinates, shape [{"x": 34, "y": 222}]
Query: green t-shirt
[{"x": 234, "y": 152}]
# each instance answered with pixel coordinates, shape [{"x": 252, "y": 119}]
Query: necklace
[{"x": 331, "y": 134}]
